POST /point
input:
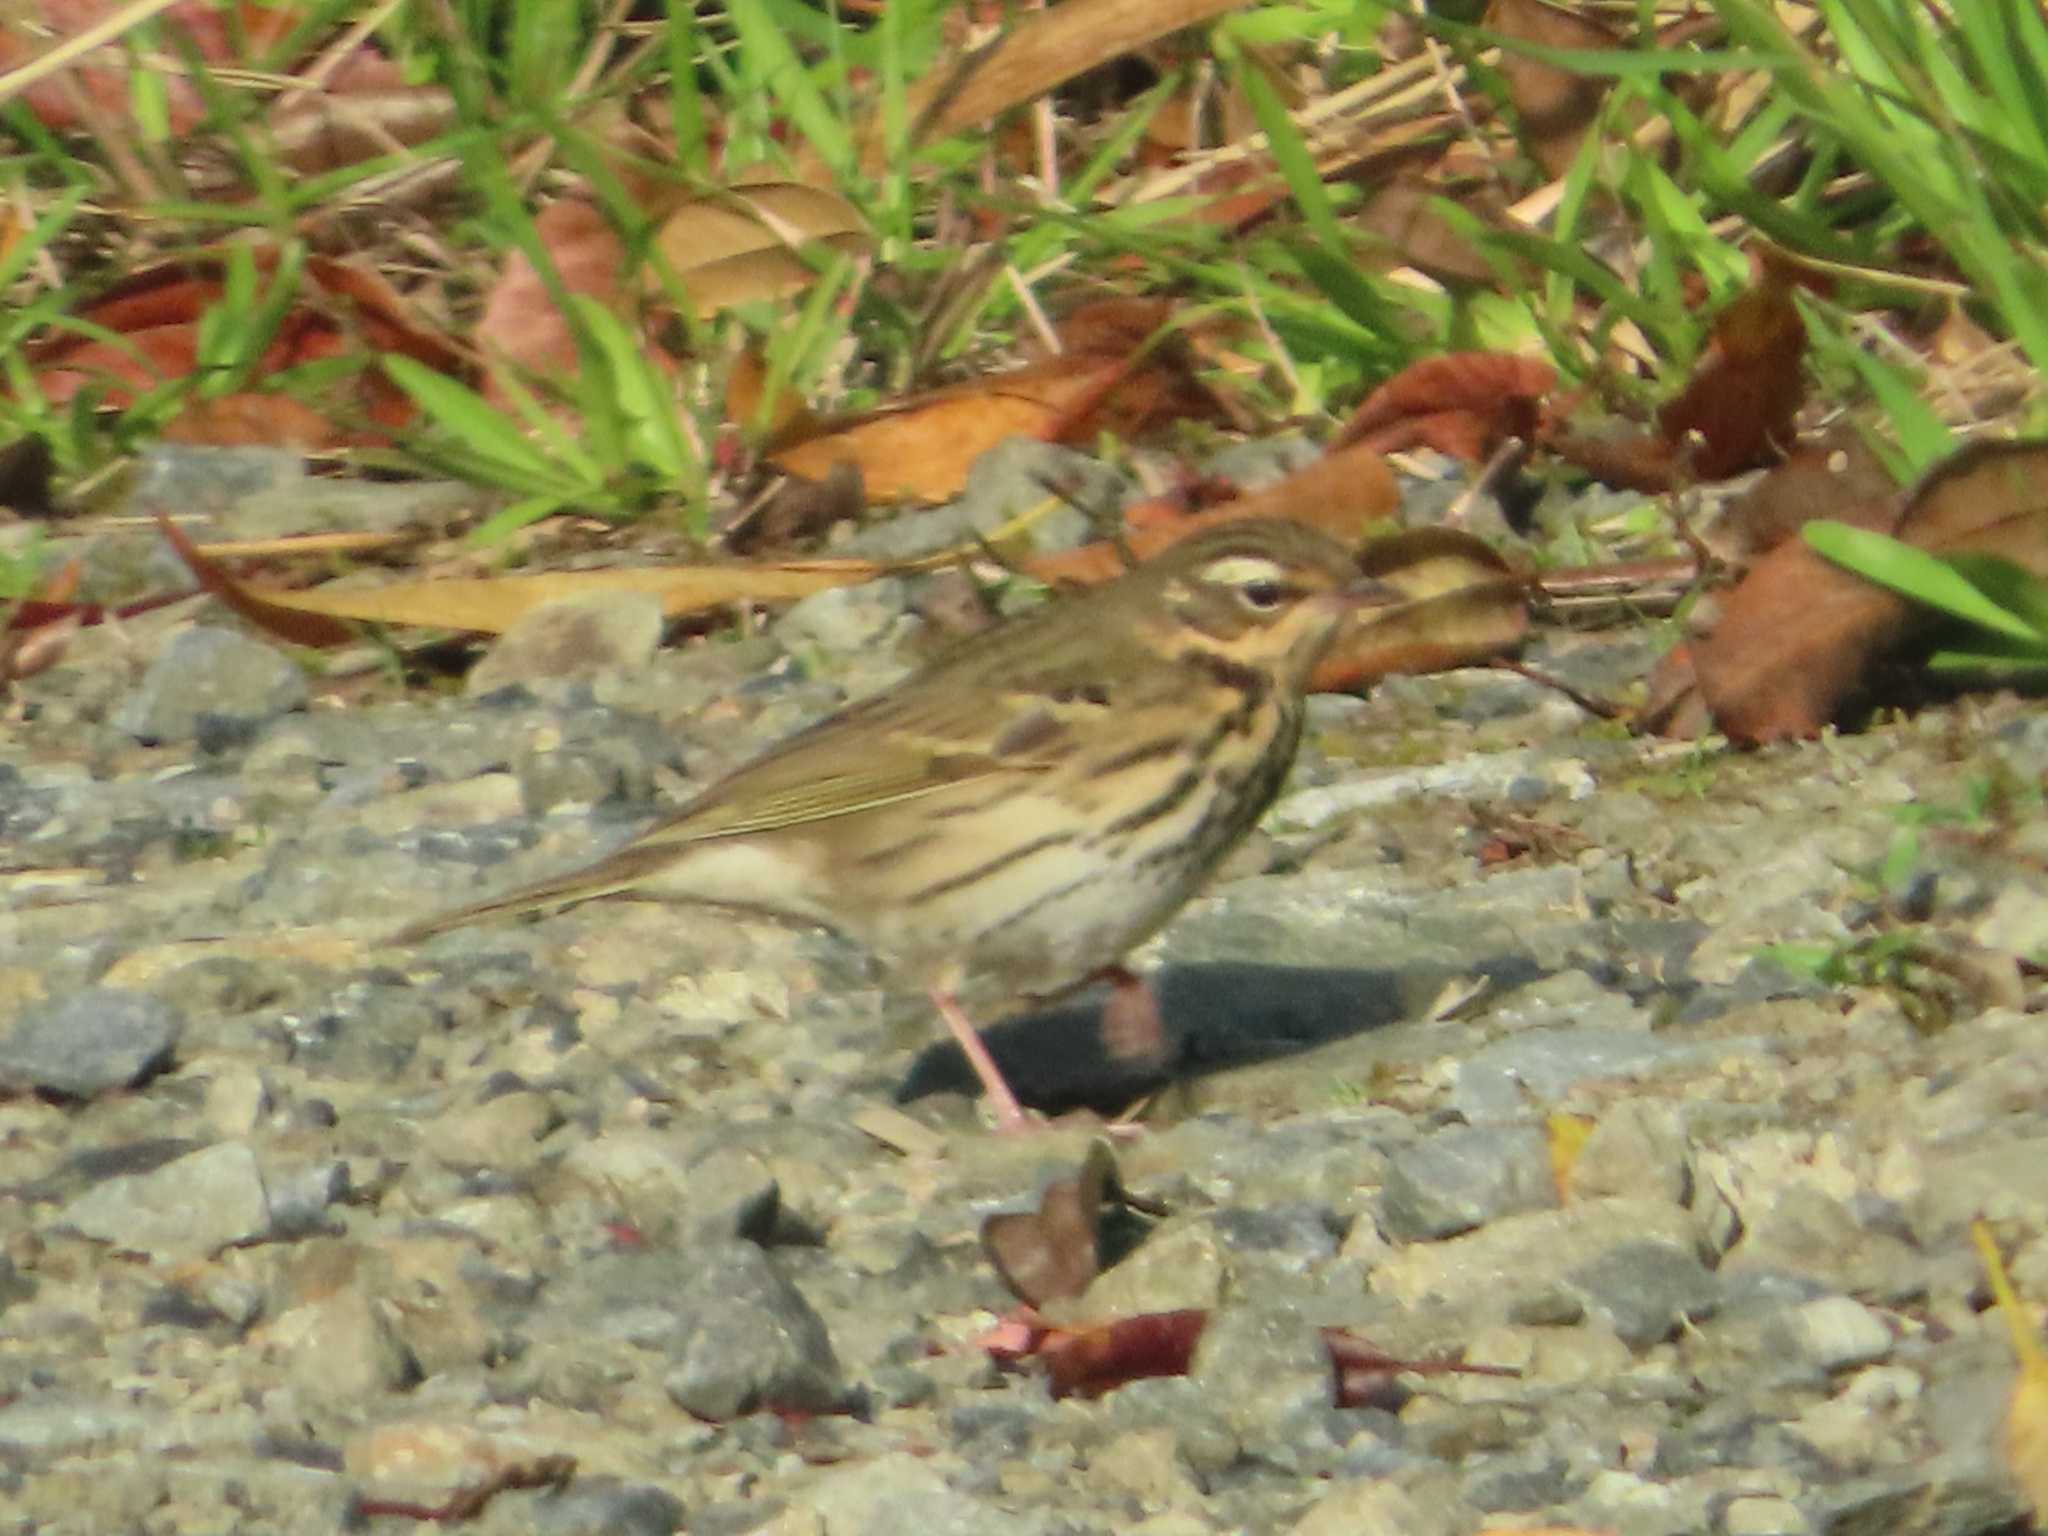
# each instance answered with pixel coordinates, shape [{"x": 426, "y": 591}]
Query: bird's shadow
[{"x": 1214, "y": 1016}]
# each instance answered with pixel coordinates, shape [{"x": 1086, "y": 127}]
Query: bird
[{"x": 1033, "y": 803}]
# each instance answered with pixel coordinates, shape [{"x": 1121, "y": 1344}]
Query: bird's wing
[{"x": 895, "y": 747}]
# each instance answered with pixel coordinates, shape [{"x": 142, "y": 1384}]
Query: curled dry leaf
[
  {"x": 491, "y": 605},
  {"x": 748, "y": 243},
  {"x": 1462, "y": 404},
  {"x": 1798, "y": 637},
  {"x": 1053, "y": 1252},
  {"x": 1465, "y": 605}
]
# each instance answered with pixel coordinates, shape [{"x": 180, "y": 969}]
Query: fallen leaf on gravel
[
  {"x": 1797, "y": 638},
  {"x": 1339, "y": 493},
  {"x": 2026, "y": 1412},
  {"x": 1051, "y": 1253},
  {"x": 492, "y": 604}
]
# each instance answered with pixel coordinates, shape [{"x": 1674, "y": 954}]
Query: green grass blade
[{"x": 1913, "y": 573}]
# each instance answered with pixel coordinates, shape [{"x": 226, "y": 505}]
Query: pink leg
[{"x": 1010, "y": 1114}]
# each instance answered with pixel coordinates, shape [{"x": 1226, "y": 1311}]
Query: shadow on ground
[{"x": 1215, "y": 1017}]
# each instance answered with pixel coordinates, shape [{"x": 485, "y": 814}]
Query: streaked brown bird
[{"x": 1033, "y": 804}]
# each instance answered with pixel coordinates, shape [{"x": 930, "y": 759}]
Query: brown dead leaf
[
  {"x": 1051, "y": 1253},
  {"x": 1553, "y": 107},
  {"x": 747, "y": 243},
  {"x": 1798, "y": 636},
  {"x": 1462, "y": 404},
  {"x": 1038, "y": 51},
  {"x": 254, "y": 421},
  {"x": 1748, "y": 386},
  {"x": 1403, "y": 213},
  {"x": 280, "y": 619}
]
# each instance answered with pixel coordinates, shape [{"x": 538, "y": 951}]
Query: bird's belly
[{"x": 1045, "y": 904}]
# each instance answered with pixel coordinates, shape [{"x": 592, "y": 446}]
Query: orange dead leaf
[{"x": 2026, "y": 1413}]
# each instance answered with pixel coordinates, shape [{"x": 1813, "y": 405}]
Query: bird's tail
[{"x": 607, "y": 877}]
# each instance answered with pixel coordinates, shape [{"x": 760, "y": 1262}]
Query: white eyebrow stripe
[{"x": 1242, "y": 570}]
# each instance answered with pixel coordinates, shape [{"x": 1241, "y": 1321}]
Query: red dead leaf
[
  {"x": 1747, "y": 388},
  {"x": 158, "y": 310},
  {"x": 1462, "y": 404},
  {"x": 1092, "y": 1361},
  {"x": 520, "y": 323},
  {"x": 286, "y": 623}
]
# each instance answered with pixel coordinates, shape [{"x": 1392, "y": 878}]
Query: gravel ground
[{"x": 643, "y": 1220}]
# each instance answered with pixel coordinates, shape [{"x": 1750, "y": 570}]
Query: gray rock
[
  {"x": 841, "y": 621},
  {"x": 1835, "y": 1332},
  {"x": 1538, "y": 1066},
  {"x": 1269, "y": 1369},
  {"x": 607, "y": 1506},
  {"x": 1647, "y": 1290},
  {"x": 574, "y": 637},
  {"x": 744, "y": 1338},
  {"x": 212, "y": 686},
  {"x": 189, "y": 1208},
  {"x": 1008, "y": 479},
  {"x": 899, "y": 1492},
  {"x": 89, "y": 1042},
  {"x": 1635, "y": 1149},
  {"x": 1465, "y": 1177}
]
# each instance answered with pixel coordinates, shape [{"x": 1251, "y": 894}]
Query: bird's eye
[{"x": 1265, "y": 596}]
